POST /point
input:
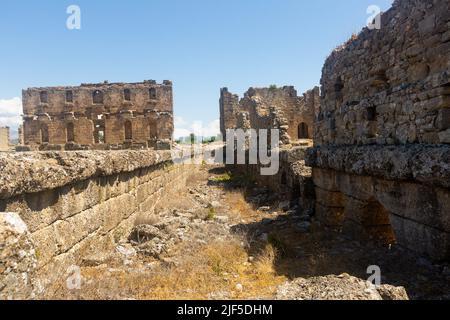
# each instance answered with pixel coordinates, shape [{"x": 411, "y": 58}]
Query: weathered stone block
[
  {"x": 444, "y": 136},
  {"x": 359, "y": 187},
  {"x": 329, "y": 198},
  {"x": 420, "y": 238},
  {"x": 325, "y": 179},
  {"x": 413, "y": 201},
  {"x": 443, "y": 119},
  {"x": 83, "y": 214},
  {"x": 46, "y": 245},
  {"x": 17, "y": 259}
]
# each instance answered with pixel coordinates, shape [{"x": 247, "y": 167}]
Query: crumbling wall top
[
  {"x": 105, "y": 84},
  {"x": 32, "y": 172},
  {"x": 421, "y": 163}
]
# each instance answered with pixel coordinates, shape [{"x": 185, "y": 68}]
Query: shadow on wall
[{"x": 323, "y": 252}]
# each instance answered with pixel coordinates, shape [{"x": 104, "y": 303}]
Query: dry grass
[
  {"x": 195, "y": 179},
  {"x": 212, "y": 273},
  {"x": 240, "y": 208},
  {"x": 179, "y": 201},
  {"x": 265, "y": 261},
  {"x": 200, "y": 271}
]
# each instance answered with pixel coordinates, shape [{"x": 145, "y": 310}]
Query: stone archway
[
  {"x": 377, "y": 223},
  {"x": 303, "y": 131},
  {"x": 44, "y": 134},
  {"x": 368, "y": 219},
  {"x": 128, "y": 130},
  {"x": 70, "y": 132}
]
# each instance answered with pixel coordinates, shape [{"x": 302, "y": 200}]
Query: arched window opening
[
  {"x": 70, "y": 132},
  {"x": 127, "y": 95},
  {"x": 151, "y": 132},
  {"x": 97, "y": 97},
  {"x": 128, "y": 130},
  {"x": 153, "y": 93},
  {"x": 69, "y": 96},
  {"x": 376, "y": 223},
  {"x": 43, "y": 95},
  {"x": 99, "y": 134},
  {"x": 303, "y": 132},
  {"x": 44, "y": 134}
]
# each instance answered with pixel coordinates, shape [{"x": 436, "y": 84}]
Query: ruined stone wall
[
  {"x": 393, "y": 194},
  {"x": 390, "y": 86},
  {"x": 229, "y": 107},
  {"x": 293, "y": 115},
  {"x": 98, "y": 116},
  {"x": 292, "y": 182},
  {"x": 380, "y": 165},
  {"x": 4, "y": 139},
  {"x": 20, "y": 134},
  {"x": 271, "y": 108},
  {"x": 75, "y": 204}
]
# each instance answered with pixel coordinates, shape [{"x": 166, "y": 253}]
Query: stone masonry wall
[
  {"x": 293, "y": 115},
  {"x": 393, "y": 194},
  {"x": 271, "y": 108},
  {"x": 381, "y": 164},
  {"x": 292, "y": 182},
  {"x": 98, "y": 116},
  {"x": 390, "y": 86},
  {"x": 74, "y": 204},
  {"x": 229, "y": 108},
  {"x": 4, "y": 139}
]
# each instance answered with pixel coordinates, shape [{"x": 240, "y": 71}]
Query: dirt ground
[{"x": 226, "y": 238}]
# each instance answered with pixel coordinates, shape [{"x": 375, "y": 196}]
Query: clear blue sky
[{"x": 201, "y": 45}]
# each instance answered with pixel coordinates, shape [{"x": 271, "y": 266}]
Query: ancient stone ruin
[
  {"x": 4, "y": 139},
  {"x": 381, "y": 132},
  {"x": 380, "y": 165},
  {"x": 364, "y": 161},
  {"x": 71, "y": 205},
  {"x": 271, "y": 108},
  {"x": 281, "y": 109},
  {"x": 98, "y": 116}
]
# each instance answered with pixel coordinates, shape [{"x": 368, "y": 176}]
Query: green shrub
[
  {"x": 226, "y": 177},
  {"x": 211, "y": 213}
]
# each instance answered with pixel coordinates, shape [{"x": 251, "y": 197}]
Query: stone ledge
[
  {"x": 422, "y": 163},
  {"x": 38, "y": 171}
]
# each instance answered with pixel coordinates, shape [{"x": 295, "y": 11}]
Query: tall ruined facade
[
  {"x": 382, "y": 131},
  {"x": 99, "y": 116},
  {"x": 271, "y": 108},
  {"x": 293, "y": 116}
]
